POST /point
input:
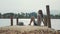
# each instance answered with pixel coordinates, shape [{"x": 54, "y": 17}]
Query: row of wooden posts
[
  {"x": 47, "y": 21},
  {"x": 12, "y": 21}
]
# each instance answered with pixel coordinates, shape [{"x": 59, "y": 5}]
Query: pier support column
[
  {"x": 48, "y": 16},
  {"x": 11, "y": 20}
]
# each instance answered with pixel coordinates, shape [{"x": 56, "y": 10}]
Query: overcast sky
[{"x": 17, "y": 6}]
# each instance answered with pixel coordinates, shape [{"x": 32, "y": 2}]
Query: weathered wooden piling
[
  {"x": 48, "y": 16},
  {"x": 45, "y": 21},
  {"x": 11, "y": 20},
  {"x": 17, "y": 20}
]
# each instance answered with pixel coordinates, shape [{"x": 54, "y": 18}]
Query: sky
[{"x": 17, "y": 6}]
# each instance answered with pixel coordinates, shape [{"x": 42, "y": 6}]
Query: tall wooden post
[
  {"x": 11, "y": 20},
  {"x": 17, "y": 20},
  {"x": 48, "y": 16}
]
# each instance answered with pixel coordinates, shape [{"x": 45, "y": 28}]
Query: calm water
[{"x": 6, "y": 22}]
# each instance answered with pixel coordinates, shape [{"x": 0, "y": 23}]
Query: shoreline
[{"x": 25, "y": 18}]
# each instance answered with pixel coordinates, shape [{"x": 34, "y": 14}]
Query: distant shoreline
[{"x": 26, "y": 18}]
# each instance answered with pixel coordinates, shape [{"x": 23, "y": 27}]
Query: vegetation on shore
[{"x": 26, "y": 15}]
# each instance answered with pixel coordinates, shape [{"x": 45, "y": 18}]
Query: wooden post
[
  {"x": 17, "y": 20},
  {"x": 11, "y": 20},
  {"x": 45, "y": 21},
  {"x": 48, "y": 16}
]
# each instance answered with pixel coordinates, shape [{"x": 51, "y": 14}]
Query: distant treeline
[{"x": 25, "y": 15}]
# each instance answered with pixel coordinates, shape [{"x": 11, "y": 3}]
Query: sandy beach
[{"x": 26, "y": 30}]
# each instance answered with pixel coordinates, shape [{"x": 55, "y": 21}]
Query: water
[{"x": 55, "y": 23}]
